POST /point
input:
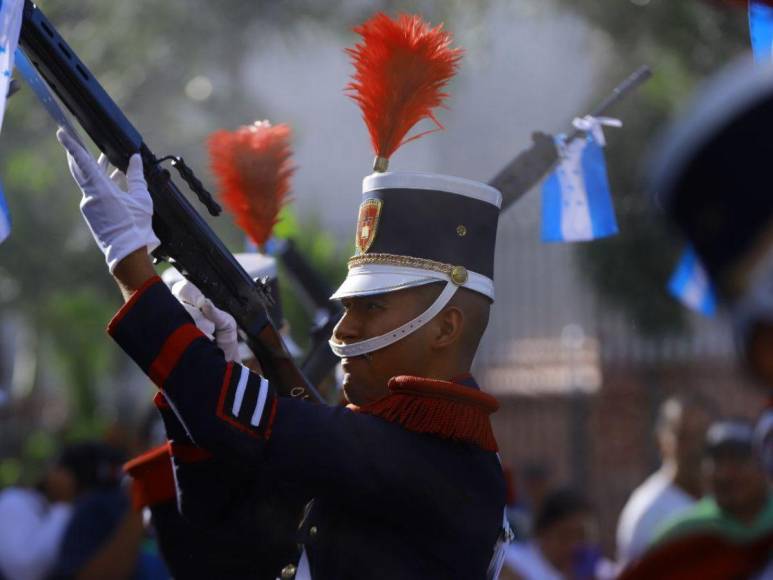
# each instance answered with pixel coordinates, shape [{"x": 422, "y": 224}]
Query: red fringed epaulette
[
  {"x": 152, "y": 477},
  {"x": 441, "y": 408}
]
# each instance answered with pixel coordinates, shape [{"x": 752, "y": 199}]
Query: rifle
[
  {"x": 531, "y": 165},
  {"x": 186, "y": 239}
]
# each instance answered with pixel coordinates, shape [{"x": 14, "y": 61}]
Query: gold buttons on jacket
[
  {"x": 313, "y": 531},
  {"x": 288, "y": 572},
  {"x": 461, "y": 230}
]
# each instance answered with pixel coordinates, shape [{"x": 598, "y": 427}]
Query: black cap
[{"x": 734, "y": 435}]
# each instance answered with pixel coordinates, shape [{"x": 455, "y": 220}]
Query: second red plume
[{"x": 253, "y": 169}]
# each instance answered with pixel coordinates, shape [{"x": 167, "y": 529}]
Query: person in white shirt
[
  {"x": 680, "y": 431},
  {"x": 32, "y": 524}
]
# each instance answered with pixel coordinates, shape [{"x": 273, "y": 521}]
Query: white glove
[
  {"x": 212, "y": 321},
  {"x": 119, "y": 220}
]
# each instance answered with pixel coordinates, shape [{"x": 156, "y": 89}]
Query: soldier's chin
[
  {"x": 352, "y": 394},
  {"x": 355, "y": 391}
]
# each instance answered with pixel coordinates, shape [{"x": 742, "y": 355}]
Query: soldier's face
[{"x": 366, "y": 377}]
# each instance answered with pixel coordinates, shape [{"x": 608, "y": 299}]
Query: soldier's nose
[{"x": 346, "y": 330}]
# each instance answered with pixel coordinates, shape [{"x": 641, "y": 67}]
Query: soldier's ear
[{"x": 448, "y": 327}]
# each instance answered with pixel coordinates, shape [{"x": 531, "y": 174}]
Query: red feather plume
[
  {"x": 253, "y": 170},
  {"x": 401, "y": 67}
]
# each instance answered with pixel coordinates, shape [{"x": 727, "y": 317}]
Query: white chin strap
[{"x": 379, "y": 342}]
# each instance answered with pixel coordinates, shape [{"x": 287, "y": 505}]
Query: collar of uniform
[{"x": 451, "y": 410}]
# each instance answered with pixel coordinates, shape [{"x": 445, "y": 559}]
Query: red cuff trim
[
  {"x": 131, "y": 301},
  {"x": 171, "y": 351},
  {"x": 187, "y": 453},
  {"x": 152, "y": 478}
]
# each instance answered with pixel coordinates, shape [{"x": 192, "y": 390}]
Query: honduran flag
[
  {"x": 5, "y": 217},
  {"x": 576, "y": 200},
  {"x": 690, "y": 284},
  {"x": 761, "y": 30},
  {"x": 10, "y": 26}
]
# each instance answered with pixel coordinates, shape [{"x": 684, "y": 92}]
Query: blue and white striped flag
[
  {"x": 690, "y": 284},
  {"x": 10, "y": 26},
  {"x": 576, "y": 201},
  {"x": 761, "y": 30},
  {"x": 5, "y": 217}
]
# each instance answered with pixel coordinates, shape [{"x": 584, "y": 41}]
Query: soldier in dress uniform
[
  {"x": 711, "y": 175},
  {"x": 405, "y": 480}
]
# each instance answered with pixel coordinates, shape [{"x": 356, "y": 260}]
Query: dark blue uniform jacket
[{"x": 388, "y": 502}]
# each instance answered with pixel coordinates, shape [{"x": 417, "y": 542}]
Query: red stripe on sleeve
[
  {"x": 131, "y": 301},
  {"x": 224, "y": 388},
  {"x": 270, "y": 422},
  {"x": 171, "y": 351},
  {"x": 220, "y": 411}
]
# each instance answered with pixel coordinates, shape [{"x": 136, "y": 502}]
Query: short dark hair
[
  {"x": 559, "y": 505},
  {"x": 93, "y": 464}
]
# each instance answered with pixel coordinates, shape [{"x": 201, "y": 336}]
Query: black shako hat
[
  {"x": 420, "y": 228},
  {"x": 711, "y": 174}
]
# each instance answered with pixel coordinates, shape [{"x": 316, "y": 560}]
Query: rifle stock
[{"x": 186, "y": 239}]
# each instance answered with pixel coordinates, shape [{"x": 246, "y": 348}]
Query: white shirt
[
  {"x": 30, "y": 533},
  {"x": 650, "y": 505},
  {"x": 527, "y": 560}
]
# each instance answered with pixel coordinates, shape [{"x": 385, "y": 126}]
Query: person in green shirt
[{"x": 740, "y": 504}]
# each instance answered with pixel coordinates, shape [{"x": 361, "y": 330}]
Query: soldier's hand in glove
[
  {"x": 119, "y": 220},
  {"x": 212, "y": 321}
]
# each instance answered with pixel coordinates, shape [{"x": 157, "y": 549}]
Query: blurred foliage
[
  {"x": 327, "y": 256},
  {"x": 684, "y": 42}
]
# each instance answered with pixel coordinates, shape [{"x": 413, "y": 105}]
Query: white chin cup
[{"x": 379, "y": 342}]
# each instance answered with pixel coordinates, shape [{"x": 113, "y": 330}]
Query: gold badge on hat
[{"x": 367, "y": 224}]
